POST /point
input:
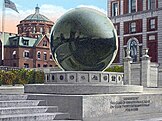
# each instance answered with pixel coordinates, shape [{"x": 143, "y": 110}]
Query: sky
[{"x": 52, "y": 9}]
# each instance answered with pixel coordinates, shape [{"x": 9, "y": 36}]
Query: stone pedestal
[
  {"x": 127, "y": 70},
  {"x": 96, "y": 96},
  {"x": 145, "y": 71},
  {"x": 106, "y": 107}
]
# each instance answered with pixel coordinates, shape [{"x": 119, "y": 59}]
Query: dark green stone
[{"x": 84, "y": 39}]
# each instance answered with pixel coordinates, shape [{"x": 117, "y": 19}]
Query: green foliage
[
  {"x": 115, "y": 69},
  {"x": 21, "y": 76}
]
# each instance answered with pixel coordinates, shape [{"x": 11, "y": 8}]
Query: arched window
[
  {"x": 133, "y": 49},
  {"x": 14, "y": 54},
  {"x": 39, "y": 55}
]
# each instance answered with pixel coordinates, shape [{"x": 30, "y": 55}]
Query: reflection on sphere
[{"x": 84, "y": 39}]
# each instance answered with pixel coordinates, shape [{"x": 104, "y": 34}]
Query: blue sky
[
  {"x": 26, "y": 4},
  {"x": 52, "y": 9}
]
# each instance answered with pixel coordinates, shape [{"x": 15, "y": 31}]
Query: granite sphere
[{"x": 83, "y": 39}]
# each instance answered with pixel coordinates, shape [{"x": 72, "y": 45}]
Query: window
[
  {"x": 151, "y": 4},
  {"x": 50, "y": 65},
  {"x": 26, "y": 65},
  {"x": 45, "y": 56},
  {"x": 14, "y": 64},
  {"x": 41, "y": 30},
  {"x": 132, "y": 27},
  {"x": 132, "y": 6},
  {"x": 45, "y": 65},
  {"x": 50, "y": 56},
  {"x": 26, "y": 42},
  {"x": 39, "y": 65},
  {"x": 34, "y": 30},
  {"x": 115, "y": 8},
  {"x": 26, "y": 54},
  {"x": 44, "y": 43},
  {"x": 39, "y": 55},
  {"x": 152, "y": 23},
  {"x": 14, "y": 54},
  {"x": 152, "y": 37}
]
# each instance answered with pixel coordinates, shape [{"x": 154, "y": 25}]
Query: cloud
[
  {"x": 94, "y": 7},
  {"x": 52, "y": 12},
  {"x": 12, "y": 18}
]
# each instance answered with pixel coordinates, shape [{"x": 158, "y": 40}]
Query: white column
[
  {"x": 145, "y": 79},
  {"x": 127, "y": 69}
]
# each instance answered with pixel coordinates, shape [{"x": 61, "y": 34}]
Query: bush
[
  {"x": 21, "y": 76},
  {"x": 115, "y": 69}
]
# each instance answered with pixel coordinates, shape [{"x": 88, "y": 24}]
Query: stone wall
[{"x": 143, "y": 73}]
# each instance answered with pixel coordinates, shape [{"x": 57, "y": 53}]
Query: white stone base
[{"x": 106, "y": 107}]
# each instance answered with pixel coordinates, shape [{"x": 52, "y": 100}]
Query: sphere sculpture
[{"x": 83, "y": 39}]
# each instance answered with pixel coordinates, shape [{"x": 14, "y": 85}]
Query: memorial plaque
[
  {"x": 113, "y": 78},
  {"x": 94, "y": 77},
  {"x": 104, "y": 78},
  {"x": 119, "y": 79},
  {"x": 83, "y": 77},
  {"x": 53, "y": 77},
  {"x": 71, "y": 77},
  {"x": 61, "y": 77}
]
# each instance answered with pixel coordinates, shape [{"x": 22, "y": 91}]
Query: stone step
[
  {"x": 28, "y": 110},
  {"x": 21, "y": 103},
  {"x": 13, "y": 97},
  {"x": 35, "y": 117},
  {"x": 63, "y": 120}
]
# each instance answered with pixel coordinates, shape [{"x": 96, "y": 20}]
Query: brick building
[
  {"x": 30, "y": 48},
  {"x": 139, "y": 26}
]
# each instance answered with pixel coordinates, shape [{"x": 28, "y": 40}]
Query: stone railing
[
  {"x": 82, "y": 77},
  {"x": 7, "y": 68}
]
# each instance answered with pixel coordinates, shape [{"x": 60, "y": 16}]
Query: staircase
[{"x": 18, "y": 108}]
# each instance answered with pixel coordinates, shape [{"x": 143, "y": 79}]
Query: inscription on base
[{"x": 130, "y": 103}]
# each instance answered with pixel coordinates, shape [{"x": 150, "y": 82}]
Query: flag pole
[{"x": 3, "y": 33}]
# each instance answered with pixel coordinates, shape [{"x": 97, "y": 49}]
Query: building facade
[
  {"x": 28, "y": 52},
  {"x": 139, "y": 26},
  {"x": 30, "y": 48}
]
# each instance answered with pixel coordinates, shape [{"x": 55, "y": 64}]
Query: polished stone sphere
[{"x": 84, "y": 39}]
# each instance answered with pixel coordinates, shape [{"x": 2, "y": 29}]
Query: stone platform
[
  {"x": 93, "y": 96},
  {"x": 9, "y": 89},
  {"x": 71, "y": 89},
  {"x": 106, "y": 107}
]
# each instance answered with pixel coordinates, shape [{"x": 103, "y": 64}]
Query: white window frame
[
  {"x": 40, "y": 55},
  {"x": 41, "y": 29},
  {"x": 130, "y": 6},
  {"x": 34, "y": 30},
  {"x": 45, "y": 43},
  {"x": 14, "y": 54},
  {"x": 24, "y": 54},
  {"x": 150, "y": 5},
  {"x": 132, "y": 27},
  {"x": 151, "y": 37},
  {"x": 45, "y": 53},
  {"x": 26, "y": 42},
  {"x": 116, "y": 12},
  {"x": 152, "y": 23}
]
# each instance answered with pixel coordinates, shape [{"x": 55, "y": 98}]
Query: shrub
[
  {"x": 115, "y": 69},
  {"x": 21, "y": 76}
]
